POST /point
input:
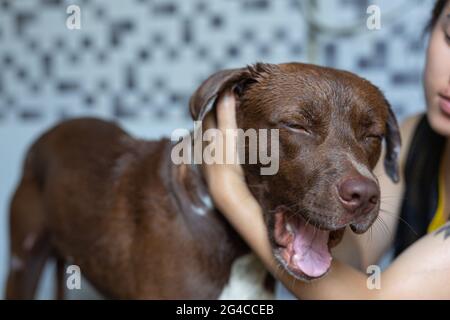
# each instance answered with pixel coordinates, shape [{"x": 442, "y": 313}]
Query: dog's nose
[{"x": 358, "y": 194}]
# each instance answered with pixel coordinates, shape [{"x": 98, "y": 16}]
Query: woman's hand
[
  {"x": 226, "y": 182},
  {"x": 229, "y": 190}
]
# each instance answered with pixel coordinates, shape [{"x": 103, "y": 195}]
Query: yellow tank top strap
[{"x": 439, "y": 218}]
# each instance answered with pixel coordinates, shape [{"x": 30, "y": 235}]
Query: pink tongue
[{"x": 311, "y": 250}]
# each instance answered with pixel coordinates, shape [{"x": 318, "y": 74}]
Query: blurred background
[{"x": 138, "y": 61}]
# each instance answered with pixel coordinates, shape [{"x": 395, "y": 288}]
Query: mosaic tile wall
[
  {"x": 141, "y": 59},
  {"x": 138, "y": 61}
]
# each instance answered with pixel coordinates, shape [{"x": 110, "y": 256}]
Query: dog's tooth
[{"x": 289, "y": 228}]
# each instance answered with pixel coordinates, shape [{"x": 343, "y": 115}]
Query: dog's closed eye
[
  {"x": 374, "y": 137},
  {"x": 296, "y": 127}
]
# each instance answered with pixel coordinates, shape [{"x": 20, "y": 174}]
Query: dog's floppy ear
[
  {"x": 393, "y": 144},
  {"x": 204, "y": 98}
]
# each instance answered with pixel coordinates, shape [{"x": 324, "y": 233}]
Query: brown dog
[{"x": 140, "y": 226}]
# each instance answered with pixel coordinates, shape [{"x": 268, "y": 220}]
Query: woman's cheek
[{"x": 437, "y": 79}]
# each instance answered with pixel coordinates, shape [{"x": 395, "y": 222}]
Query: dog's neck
[
  {"x": 187, "y": 185},
  {"x": 190, "y": 189}
]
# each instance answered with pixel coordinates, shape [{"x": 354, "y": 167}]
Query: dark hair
[{"x": 435, "y": 14}]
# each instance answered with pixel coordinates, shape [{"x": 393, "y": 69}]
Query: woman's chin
[{"x": 439, "y": 120}]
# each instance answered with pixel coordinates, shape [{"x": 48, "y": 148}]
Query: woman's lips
[{"x": 444, "y": 104}]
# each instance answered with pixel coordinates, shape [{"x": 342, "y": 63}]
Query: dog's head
[{"x": 331, "y": 128}]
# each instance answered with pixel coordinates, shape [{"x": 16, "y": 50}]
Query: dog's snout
[{"x": 358, "y": 194}]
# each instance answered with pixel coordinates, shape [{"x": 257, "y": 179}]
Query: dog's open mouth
[{"x": 303, "y": 249}]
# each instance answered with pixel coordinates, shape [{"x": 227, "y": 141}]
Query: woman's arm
[{"x": 423, "y": 271}]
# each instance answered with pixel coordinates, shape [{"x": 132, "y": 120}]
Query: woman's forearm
[
  {"x": 408, "y": 277},
  {"x": 342, "y": 282}
]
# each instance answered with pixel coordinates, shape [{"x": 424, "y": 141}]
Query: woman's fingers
[
  {"x": 225, "y": 121},
  {"x": 227, "y": 124},
  {"x": 209, "y": 122},
  {"x": 226, "y": 112}
]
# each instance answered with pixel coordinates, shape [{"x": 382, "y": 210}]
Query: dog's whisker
[
  {"x": 370, "y": 239},
  {"x": 386, "y": 202},
  {"x": 384, "y": 227},
  {"x": 390, "y": 197},
  {"x": 400, "y": 219}
]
